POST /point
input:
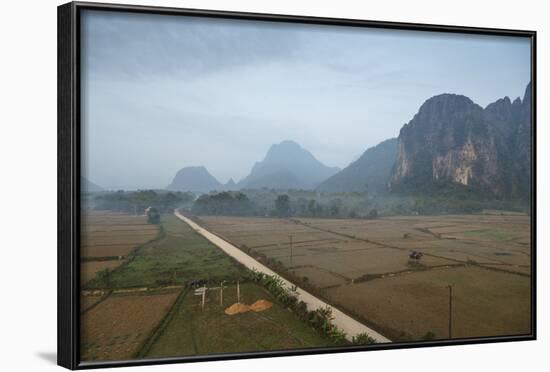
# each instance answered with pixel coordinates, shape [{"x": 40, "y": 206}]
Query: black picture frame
[{"x": 69, "y": 177}]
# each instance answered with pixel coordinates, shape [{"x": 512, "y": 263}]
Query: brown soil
[
  {"x": 237, "y": 308},
  {"x": 260, "y": 305},
  {"x": 117, "y": 327},
  {"x": 89, "y": 269},
  {"x": 329, "y": 251}
]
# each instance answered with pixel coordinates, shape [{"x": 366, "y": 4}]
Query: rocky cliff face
[{"x": 452, "y": 140}]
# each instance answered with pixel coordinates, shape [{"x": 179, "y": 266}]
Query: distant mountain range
[
  {"x": 451, "y": 141},
  {"x": 88, "y": 186},
  {"x": 286, "y": 166}
]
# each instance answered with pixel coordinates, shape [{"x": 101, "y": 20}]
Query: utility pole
[
  {"x": 221, "y": 294},
  {"x": 450, "y": 286},
  {"x": 290, "y": 237},
  {"x": 203, "y": 297},
  {"x": 238, "y": 293}
]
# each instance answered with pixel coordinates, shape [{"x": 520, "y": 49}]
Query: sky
[{"x": 159, "y": 93}]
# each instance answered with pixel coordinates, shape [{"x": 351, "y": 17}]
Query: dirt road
[{"x": 349, "y": 325}]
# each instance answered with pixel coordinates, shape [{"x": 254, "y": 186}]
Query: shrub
[
  {"x": 428, "y": 336},
  {"x": 153, "y": 216},
  {"x": 104, "y": 277},
  {"x": 363, "y": 339},
  {"x": 373, "y": 214}
]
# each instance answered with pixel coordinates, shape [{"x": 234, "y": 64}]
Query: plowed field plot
[
  {"x": 331, "y": 254},
  {"x": 107, "y": 238},
  {"x": 485, "y": 303},
  {"x": 89, "y": 269},
  {"x": 87, "y": 302},
  {"x": 117, "y": 328}
]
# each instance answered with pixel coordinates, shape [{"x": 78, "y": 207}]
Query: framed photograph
[{"x": 236, "y": 185}]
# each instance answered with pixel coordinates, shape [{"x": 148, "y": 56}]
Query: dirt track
[{"x": 349, "y": 325}]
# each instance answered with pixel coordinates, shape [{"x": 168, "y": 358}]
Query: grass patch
[
  {"x": 177, "y": 257},
  {"x": 489, "y": 234},
  {"x": 193, "y": 331}
]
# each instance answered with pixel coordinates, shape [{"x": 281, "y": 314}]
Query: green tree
[
  {"x": 104, "y": 277},
  {"x": 311, "y": 209},
  {"x": 363, "y": 339},
  {"x": 428, "y": 336},
  {"x": 373, "y": 214},
  {"x": 335, "y": 206},
  {"x": 153, "y": 216},
  {"x": 282, "y": 205}
]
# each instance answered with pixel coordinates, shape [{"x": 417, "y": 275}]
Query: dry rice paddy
[
  {"x": 116, "y": 328},
  {"x": 364, "y": 268},
  {"x": 107, "y": 238}
]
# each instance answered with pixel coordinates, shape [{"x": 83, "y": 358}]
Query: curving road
[{"x": 346, "y": 323}]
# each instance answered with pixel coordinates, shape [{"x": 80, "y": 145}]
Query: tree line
[{"x": 136, "y": 202}]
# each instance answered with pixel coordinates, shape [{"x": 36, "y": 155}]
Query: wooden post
[
  {"x": 450, "y": 311},
  {"x": 238, "y": 293},
  {"x": 290, "y": 236},
  {"x": 203, "y": 297}
]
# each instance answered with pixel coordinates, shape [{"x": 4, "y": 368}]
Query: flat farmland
[
  {"x": 108, "y": 238},
  {"x": 364, "y": 268},
  {"x": 486, "y": 303},
  {"x": 117, "y": 328},
  {"x": 149, "y": 309}
]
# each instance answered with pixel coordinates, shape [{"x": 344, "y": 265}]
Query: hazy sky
[{"x": 162, "y": 92}]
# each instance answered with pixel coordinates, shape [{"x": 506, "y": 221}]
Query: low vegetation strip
[
  {"x": 346, "y": 323},
  {"x": 175, "y": 258},
  {"x": 163, "y": 324}
]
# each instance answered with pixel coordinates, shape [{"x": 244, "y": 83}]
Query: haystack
[
  {"x": 237, "y": 308},
  {"x": 260, "y": 305}
]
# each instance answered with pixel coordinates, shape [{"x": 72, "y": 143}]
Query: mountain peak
[
  {"x": 527, "y": 94},
  {"x": 194, "y": 178},
  {"x": 287, "y": 165},
  {"x": 446, "y": 102},
  {"x": 88, "y": 186},
  {"x": 288, "y": 143},
  {"x": 286, "y": 149}
]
